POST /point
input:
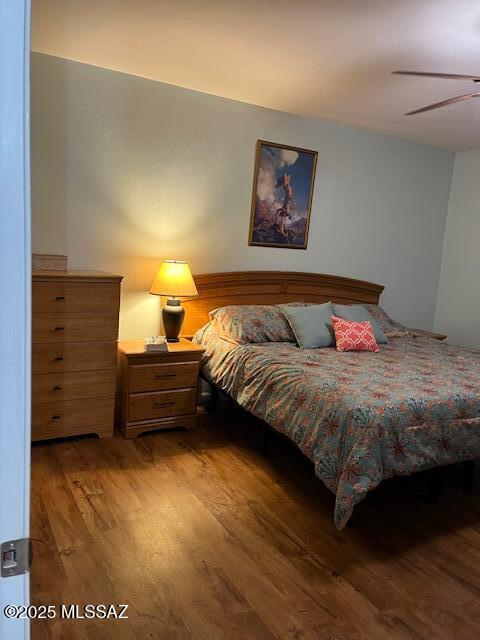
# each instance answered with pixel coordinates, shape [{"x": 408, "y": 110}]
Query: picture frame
[{"x": 283, "y": 183}]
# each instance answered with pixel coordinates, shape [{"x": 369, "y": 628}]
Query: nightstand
[{"x": 157, "y": 390}]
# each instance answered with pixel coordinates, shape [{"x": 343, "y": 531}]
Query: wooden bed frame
[{"x": 271, "y": 287}]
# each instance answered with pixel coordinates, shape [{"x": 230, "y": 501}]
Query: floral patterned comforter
[{"x": 360, "y": 417}]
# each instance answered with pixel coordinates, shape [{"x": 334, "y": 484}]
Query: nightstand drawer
[
  {"x": 148, "y": 406},
  {"x": 75, "y": 297},
  {"x": 53, "y": 419},
  {"x": 74, "y": 327},
  {"x": 157, "y": 377},
  {"x": 73, "y": 356},
  {"x": 53, "y": 387}
]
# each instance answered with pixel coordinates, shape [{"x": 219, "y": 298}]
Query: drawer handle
[
  {"x": 60, "y": 298},
  {"x": 56, "y": 417},
  {"x": 59, "y": 328},
  {"x": 159, "y": 376},
  {"x": 163, "y": 404},
  {"x": 57, "y": 387},
  {"x": 58, "y": 359}
]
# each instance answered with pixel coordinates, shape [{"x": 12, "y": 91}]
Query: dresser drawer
[
  {"x": 157, "y": 377},
  {"x": 59, "y": 418},
  {"x": 74, "y": 327},
  {"x": 52, "y": 387},
  {"x": 75, "y": 297},
  {"x": 73, "y": 356},
  {"x": 148, "y": 406}
]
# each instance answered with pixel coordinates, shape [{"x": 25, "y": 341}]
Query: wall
[
  {"x": 458, "y": 305},
  {"x": 127, "y": 171}
]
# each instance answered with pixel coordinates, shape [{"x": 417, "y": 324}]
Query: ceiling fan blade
[
  {"x": 444, "y": 103},
  {"x": 426, "y": 74}
]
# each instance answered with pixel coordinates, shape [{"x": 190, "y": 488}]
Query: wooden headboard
[{"x": 271, "y": 287}]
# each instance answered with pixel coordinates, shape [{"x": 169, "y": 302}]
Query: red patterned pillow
[{"x": 354, "y": 336}]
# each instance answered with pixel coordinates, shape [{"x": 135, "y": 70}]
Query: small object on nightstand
[
  {"x": 156, "y": 343},
  {"x": 157, "y": 389}
]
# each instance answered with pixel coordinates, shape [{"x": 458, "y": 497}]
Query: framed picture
[{"x": 282, "y": 196}]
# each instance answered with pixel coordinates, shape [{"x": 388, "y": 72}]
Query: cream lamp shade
[{"x": 174, "y": 279}]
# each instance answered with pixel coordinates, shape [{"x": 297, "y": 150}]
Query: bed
[{"x": 360, "y": 417}]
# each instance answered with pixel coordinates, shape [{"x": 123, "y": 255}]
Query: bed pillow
[
  {"x": 381, "y": 316},
  {"x": 311, "y": 325},
  {"x": 251, "y": 323},
  {"x": 354, "y": 336},
  {"x": 359, "y": 313}
]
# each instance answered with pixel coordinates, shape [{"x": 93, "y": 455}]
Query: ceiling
[{"x": 321, "y": 58}]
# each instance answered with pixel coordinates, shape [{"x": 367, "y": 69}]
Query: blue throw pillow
[
  {"x": 311, "y": 325},
  {"x": 358, "y": 313}
]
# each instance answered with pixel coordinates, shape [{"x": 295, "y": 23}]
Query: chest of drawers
[{"x": 74, "y": 352}]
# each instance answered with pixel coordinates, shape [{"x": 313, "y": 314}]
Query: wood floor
[{"x": 204, "y": 538}]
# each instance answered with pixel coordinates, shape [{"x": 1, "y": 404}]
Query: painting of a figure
[{"x": 282, "y": 196}]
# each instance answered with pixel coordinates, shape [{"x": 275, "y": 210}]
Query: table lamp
[{"x": 174, "y": 280}]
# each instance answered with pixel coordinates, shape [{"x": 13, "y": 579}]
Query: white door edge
[{"x": 15, "y": 304}]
